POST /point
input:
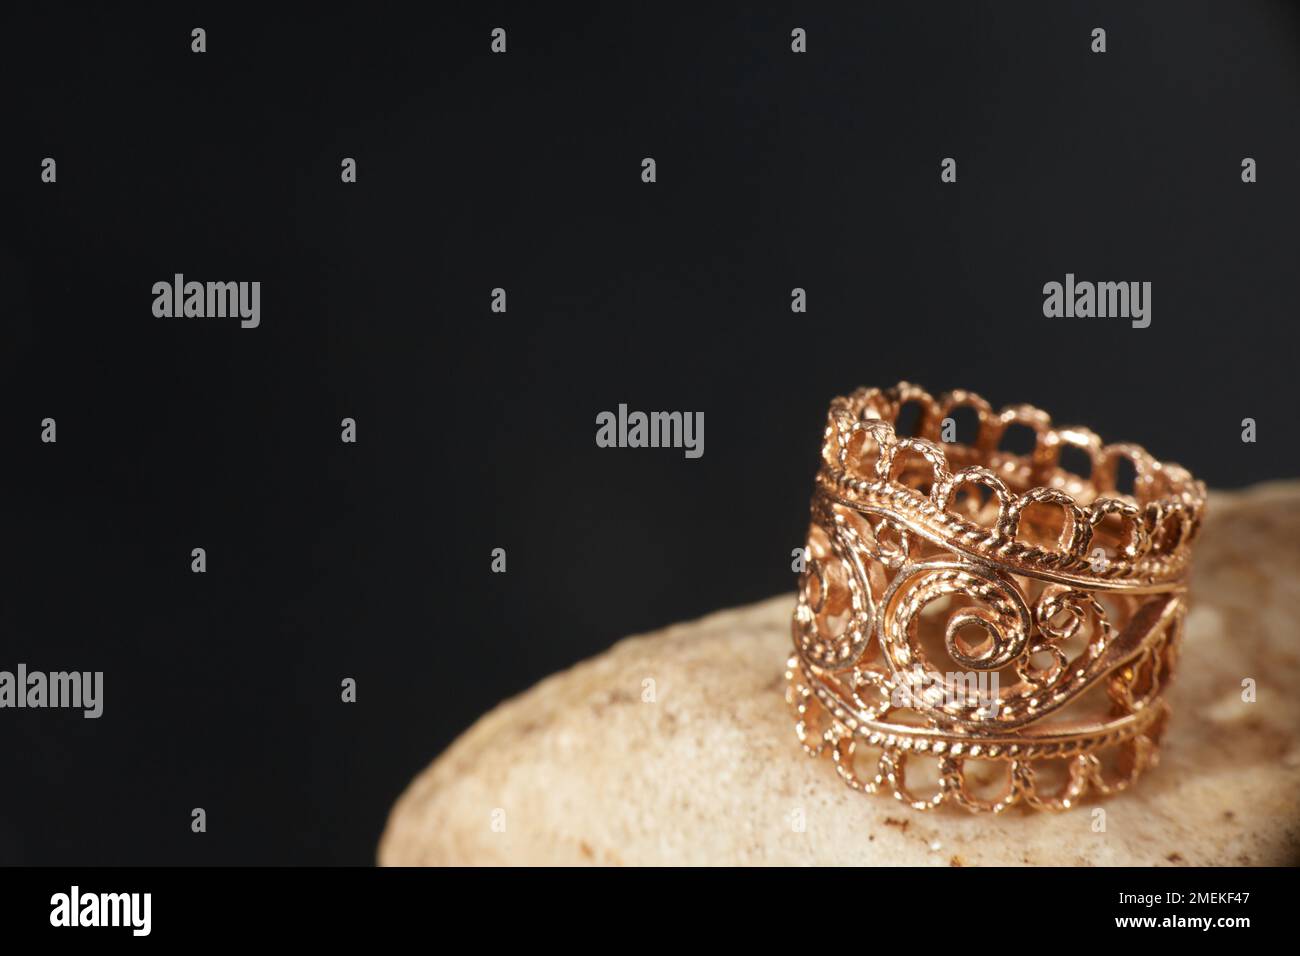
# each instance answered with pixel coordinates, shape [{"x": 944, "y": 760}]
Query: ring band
[{"x": 984, "y": 619}]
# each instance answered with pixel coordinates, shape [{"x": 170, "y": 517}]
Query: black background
[{"x": 476, "y": 430}]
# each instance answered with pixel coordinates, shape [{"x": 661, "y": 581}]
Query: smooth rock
[{"x": 584, "y": 769}]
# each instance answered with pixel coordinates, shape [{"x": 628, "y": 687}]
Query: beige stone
[{"x": 583, "y": 770}]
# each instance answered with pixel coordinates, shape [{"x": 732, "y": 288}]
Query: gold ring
[{"x": 985, "y": 626}]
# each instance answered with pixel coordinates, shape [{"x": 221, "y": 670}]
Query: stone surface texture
[{"x": 585, "y": 771}]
